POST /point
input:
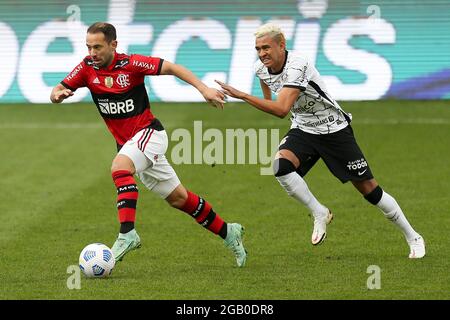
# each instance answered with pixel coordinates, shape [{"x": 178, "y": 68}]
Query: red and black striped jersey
[{"x": 118, "y": 91}]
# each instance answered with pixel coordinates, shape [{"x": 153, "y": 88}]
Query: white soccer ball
[{"x": 96, "y": 260}]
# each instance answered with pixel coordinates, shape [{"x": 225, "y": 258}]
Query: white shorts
[{"x": 146, "y": 149}]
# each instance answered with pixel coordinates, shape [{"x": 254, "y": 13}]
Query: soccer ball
[{"x": 96, "y": 260}]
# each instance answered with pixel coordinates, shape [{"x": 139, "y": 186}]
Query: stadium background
[
  {"x": 56, "y": 193},
  {"x": 398, "y": 48}
]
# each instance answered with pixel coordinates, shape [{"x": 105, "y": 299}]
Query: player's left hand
[
  {"x": 230, "y": 91},
  {"x": 214, "y": 97}
]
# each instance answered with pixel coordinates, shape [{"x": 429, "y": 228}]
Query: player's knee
[
  {"x": 375, "y": 195},
  {"x": 122, "y": 163},
  {"x": 282, "y": 166}
]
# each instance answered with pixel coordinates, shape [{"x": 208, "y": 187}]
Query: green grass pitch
[{"x": 57, "y": 195}]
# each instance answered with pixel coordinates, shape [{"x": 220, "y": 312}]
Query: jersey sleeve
[
  {"x": 145, "y": 65},
  {"x": 258, "y": 68},
  {"x": 298, "y": 75},
  {"x": 75, "y": 79}
]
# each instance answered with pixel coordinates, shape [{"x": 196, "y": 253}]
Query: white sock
[
  {"x": 297, "y": 188},
  {"x": 393, "y": 212}
]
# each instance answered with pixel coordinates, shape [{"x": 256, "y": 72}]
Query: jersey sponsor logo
[
  {"x": 315, "y": 124},
  {"x": 309, "y": 103},
  {"x": 122, "y": 63},
  {"x": 109, "y": 81},
  {"x": 143, "y": 64},
  {"x": 75, "y": 72},
  {"x": 119, "y": 107},
  {"x": 91, "y": 63},
  {"x": 123, "y": 80}
]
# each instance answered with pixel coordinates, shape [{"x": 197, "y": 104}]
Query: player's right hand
[{"x": 63, "y": 94}]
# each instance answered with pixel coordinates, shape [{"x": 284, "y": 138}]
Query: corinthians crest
[{"x": 109, "y": 81}]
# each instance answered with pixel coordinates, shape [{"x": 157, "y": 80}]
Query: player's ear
[
  {"x": 114, "y": 44},
  {"x": 282, "y": 42}
]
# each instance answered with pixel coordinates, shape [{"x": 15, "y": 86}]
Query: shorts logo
[
  {"x": 360, "y": 173},
  {"x": 358, "y": 165},
  {"x": 123, "y": 80}
]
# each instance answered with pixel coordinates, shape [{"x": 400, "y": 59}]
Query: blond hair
[{"x": 271, "y": 30}]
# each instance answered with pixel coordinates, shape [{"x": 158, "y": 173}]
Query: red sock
[
  {"x": 127, "y": 195},
  {"x": 202, "y": 212}
]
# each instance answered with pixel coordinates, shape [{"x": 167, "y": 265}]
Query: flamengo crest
[{"x": 123, "y": 80}]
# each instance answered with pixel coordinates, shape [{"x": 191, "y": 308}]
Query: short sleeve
[
  {"x": 258, "y": 68},
  {"x": 146, "y": 65},
  {"x": 75, "y": 79},
  {"x": 298, "y": 74}
]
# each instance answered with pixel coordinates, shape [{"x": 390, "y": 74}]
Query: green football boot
[
  {"x": 125, "y": 243},
  {"x": 233, "y": 241}
]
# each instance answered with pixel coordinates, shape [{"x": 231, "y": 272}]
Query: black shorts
[{"x": 339, "y": 151}]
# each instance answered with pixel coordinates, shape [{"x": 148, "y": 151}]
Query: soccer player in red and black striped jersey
[{"x": 116, "y": 83}]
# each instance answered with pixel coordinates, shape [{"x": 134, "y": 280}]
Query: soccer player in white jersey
[{"x": 320, "y": 129}]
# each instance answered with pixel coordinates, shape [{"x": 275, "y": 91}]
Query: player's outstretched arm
[
  {"x": 280, "y": 107},
  {"x": 266, "y": 90},
  {"x": 60, "y": 93},
  {"x": 211, "y": 95}
]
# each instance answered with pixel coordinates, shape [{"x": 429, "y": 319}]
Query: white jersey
[{"x": 314, "y": 111}]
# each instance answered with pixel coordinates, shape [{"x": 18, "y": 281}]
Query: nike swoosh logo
[{"x": 361, "y": 173}]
